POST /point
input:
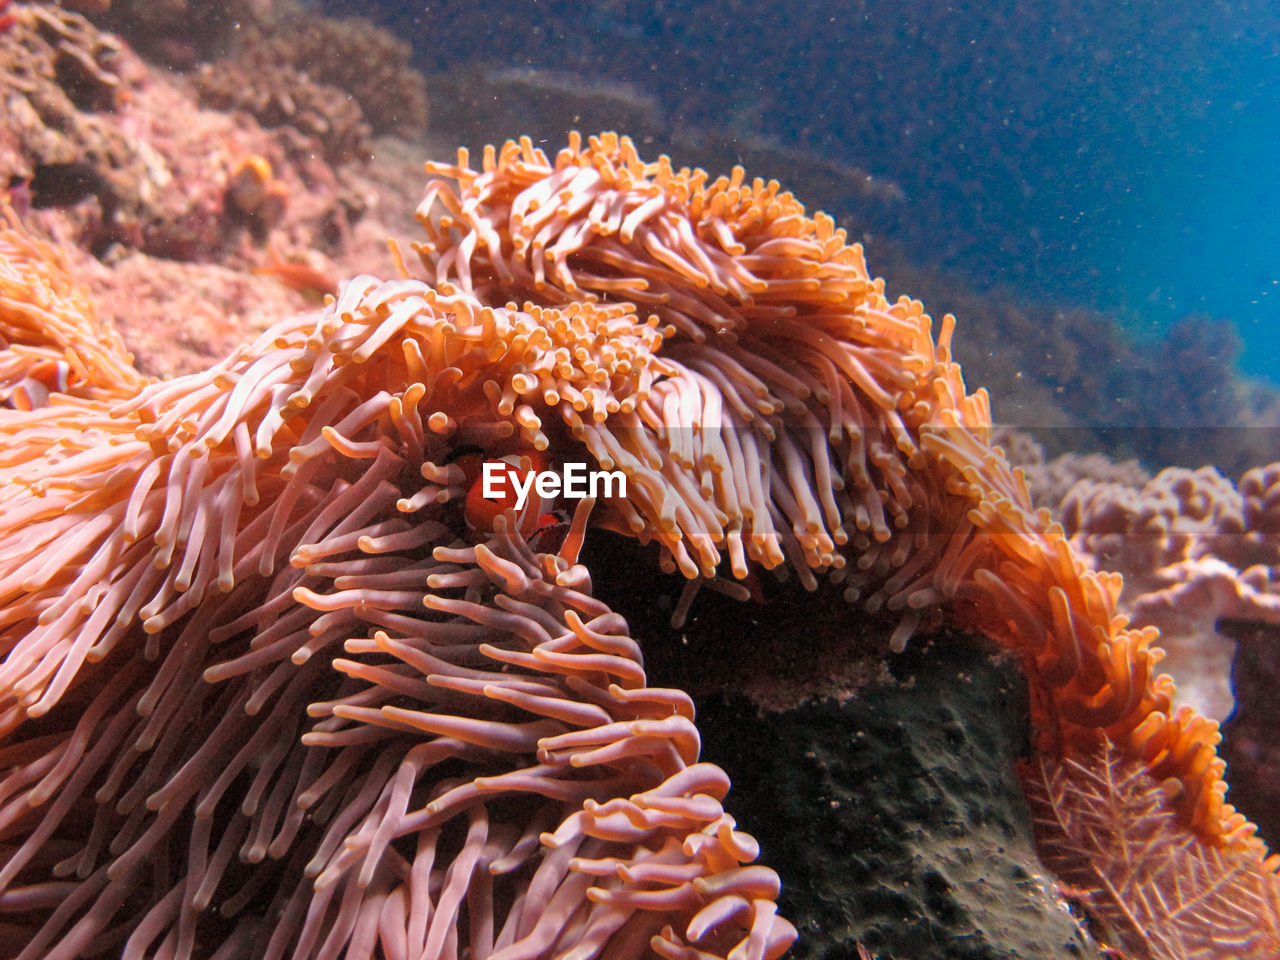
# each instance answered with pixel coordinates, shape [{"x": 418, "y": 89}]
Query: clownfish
[
  {"x": 32, "y": 391},
  {"x": 480, "y": 511}
]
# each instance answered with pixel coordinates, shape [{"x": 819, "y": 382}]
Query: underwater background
[{"x": 1119, "y": 156}]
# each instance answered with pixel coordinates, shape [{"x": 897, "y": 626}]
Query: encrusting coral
[{"x": 254, "y": 653}]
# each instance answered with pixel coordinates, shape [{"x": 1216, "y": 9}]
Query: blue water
[
  {"x": 1102, "y": 153},
  {"x": 1204, "y": 235}
]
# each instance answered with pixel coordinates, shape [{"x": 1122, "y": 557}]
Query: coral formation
[
  {"x": 1107, "y": 830},
  {"x": 334, "y": 73},
  {"x": 1193, "y": 548},
  {"x": 259, "y": 640},
  {"x": 282, "y": 96},
  {"x": 155, "y": 197},
  {"x": 332, "y": 79},
  {"x": 110, "y": 143},
  {"x": 60, "y": 80}
]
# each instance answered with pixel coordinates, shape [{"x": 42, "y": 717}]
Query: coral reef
[
  {"x": 286, "y": 65},
  {"x": 60, "y": 79},
  {"x": 321, "y": 63},
  {"x": 129, "y": 165},
  {"x": 152, "y": 193},
  {"x": 196, "y": 228},
  {"x": 1193, "y": 548},
  {"x": 283, "y": 96}
]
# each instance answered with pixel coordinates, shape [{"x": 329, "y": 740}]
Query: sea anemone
[{"x": 268, "y": 692}]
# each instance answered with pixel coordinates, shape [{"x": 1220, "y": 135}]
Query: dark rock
[
  {"x": 896, "y": 818},
  {"x": 1249, "y": 743}
]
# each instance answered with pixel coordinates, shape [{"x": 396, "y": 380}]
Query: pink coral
[{"x": 1193, "y": 548}]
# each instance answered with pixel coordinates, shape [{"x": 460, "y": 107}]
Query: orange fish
[
  {"x": 298, "y": 276},
  {"x": 481, "y": 511}
]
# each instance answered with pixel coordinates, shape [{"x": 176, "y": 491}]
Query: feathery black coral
[{"x": 1106, "y": 827}]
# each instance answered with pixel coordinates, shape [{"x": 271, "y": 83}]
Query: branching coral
[{"x": 255, "y": 659}]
